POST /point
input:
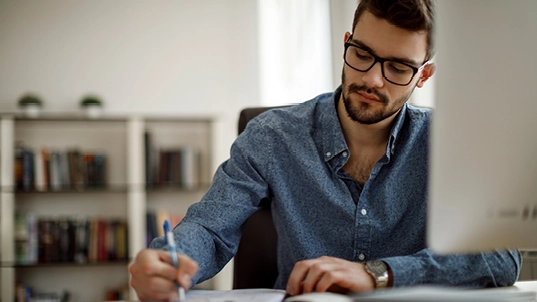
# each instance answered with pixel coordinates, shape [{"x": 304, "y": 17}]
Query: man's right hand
[{"x": 153, "y": 275}]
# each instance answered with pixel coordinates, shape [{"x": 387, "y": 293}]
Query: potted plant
[
  {"x": 31, "y": 104},
  {"x": 92, "y": 105}
]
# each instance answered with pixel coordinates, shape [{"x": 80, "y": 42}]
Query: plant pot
[
  {"x": 93, "y": 111},
  {"x": 31, "y": 110}
]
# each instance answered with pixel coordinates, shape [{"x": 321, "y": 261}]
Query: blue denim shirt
[{"x": 295, "y": 156}]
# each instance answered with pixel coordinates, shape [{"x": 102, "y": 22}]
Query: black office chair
[{"x": 255, "y": 263}]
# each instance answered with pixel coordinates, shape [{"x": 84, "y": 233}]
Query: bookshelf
[{"x": 118, "y": 195}]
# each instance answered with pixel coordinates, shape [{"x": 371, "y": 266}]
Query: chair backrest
[{"x": 255, "y": 264}]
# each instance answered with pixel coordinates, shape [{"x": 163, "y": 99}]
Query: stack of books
[{"x": 175, "y": 167}]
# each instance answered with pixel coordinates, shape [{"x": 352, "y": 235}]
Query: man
[{"x": 347, "y": 176}]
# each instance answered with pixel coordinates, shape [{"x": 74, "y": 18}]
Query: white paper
[{"x": 238, "y": 295}]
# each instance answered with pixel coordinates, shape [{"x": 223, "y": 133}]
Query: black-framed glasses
[{"x": 395, "y": 72}]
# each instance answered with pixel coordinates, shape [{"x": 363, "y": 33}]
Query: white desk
[
  {"x": 526, "y": 285},
  {"x": 269, "y": 295}
]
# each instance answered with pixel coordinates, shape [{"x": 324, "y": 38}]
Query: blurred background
[
  {"x": 185, "y": 57},
  {"x": 186, "y": 67}
]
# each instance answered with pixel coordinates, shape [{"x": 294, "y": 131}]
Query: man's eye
[
  {"x": 398, "y": 68},
  {"x": 363, "y": 55}
]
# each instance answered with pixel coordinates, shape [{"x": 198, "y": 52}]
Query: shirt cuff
[{"x": 406, "y": 271}]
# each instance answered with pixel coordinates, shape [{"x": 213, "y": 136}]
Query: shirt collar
[
  {"x": 396, "y": 130},
  {"x": 329, "y": 128}
]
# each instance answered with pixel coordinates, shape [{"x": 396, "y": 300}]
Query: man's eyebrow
[{"x": 396, "y": 59}]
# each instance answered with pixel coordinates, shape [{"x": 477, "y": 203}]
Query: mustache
[{"x": 362, "y": 88}]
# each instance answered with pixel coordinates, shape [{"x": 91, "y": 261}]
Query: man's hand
[
  {"x": 153, "y": 275},
  {"x": 329, "y": 274}
]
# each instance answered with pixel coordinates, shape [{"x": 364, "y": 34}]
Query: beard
[{"x": 365, "y": 113}]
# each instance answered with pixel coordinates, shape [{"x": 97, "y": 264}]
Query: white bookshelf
[{"x": 126, "y": 196}]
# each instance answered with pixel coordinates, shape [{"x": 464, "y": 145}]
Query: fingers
[
  {"x": 328, "y": 274},
  {"x": 187, "y": 269},
  {"x": 299, "y": 272},
  {"x": 153, "y": 275}
]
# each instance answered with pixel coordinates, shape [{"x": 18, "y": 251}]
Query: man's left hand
[{"x": 329, "y": 274}]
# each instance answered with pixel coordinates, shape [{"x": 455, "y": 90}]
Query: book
[
  {"x": 28, "y": 179},
  {"x": 45, "y": 240},
  {"x": 55, "y": 171},
  {"x": 45, "y": 157},
  {"x": 21, "y": 238},
  {"x": 121, "y": 240},
  {"x": 33, "y": 238},
  {"x": 39, "y": 174},
  {"x": 81, "y": 231},
  {"x": 189, "y": 167}
]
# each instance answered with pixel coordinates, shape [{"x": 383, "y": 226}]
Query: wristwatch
[{"x": 379, "y": 270}]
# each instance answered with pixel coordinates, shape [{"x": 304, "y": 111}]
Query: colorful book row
[
  {"x": 53, "y": 170},
  {"x": 25, "y": 293},
  {"x": 67, "y": 239}
]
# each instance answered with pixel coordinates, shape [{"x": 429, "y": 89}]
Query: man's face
[{"x": 367, "y": 96}]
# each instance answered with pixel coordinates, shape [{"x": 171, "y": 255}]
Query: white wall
[
  {"x": 341, "y": 14},
  {"x": 189, "y": 56}
]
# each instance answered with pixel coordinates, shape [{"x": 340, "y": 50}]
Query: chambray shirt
[{"x": 294, "y": 156}]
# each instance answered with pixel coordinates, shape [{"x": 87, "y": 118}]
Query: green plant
[
  {"x": 91, "y": 101},
  {"x": 30, "y": 99}
]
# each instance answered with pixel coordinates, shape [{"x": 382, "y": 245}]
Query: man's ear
[
  {"x": 346, "y": 37},
  {"x": 426, "y": 73}
]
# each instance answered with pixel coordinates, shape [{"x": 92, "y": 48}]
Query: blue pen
[{"x": 173, "y": 253}]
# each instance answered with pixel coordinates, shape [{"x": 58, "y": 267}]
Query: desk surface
[
  {"x": 269, "y": 295},
  {"x": 526, "y": 285}
]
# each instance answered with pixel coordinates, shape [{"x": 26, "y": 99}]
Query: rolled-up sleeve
[{"x": 490, "y": 269}]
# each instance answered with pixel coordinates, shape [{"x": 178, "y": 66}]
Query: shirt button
[
  {"x": 361, "y": 256},
  {"x": 328, "y": 154},
  {"x": 364, "y": 212},
  {"x": 345, "y": 154}
]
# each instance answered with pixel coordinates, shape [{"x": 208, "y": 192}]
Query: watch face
[
  {"x": 377, "y": 267},
  {"x": 379, "y": 270}
]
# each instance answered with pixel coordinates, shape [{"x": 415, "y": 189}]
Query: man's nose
[{"x": 373, "y": 77}]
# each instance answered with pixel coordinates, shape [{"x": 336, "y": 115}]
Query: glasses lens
[
  {"x": 359, "y": 59},
  {"x": 394, "y": 72},
  {"x": 397, "y": 72}
]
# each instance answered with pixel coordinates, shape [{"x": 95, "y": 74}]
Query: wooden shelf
[
  {"x": 121, "y": 139},
  {"x": 66, "y": 264}
]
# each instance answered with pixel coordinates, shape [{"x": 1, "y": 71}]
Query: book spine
[
  {"x": 55, "y": 174},
  {"x": 46, "y": 168},
  {"x": 17, "y": 165},
  {"x": 39, "y": 172},
  {"x": 81, "y": 240},
  {"x": 21, "y": 238},
  {"x": 188, "y": 167},
  {"x": 33, "y": 238},
  {"x": 63, "y": 240},
  {"x": 27, "y": 170}
]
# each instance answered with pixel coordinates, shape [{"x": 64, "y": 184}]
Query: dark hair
[{"x": 412, "y": 15}]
